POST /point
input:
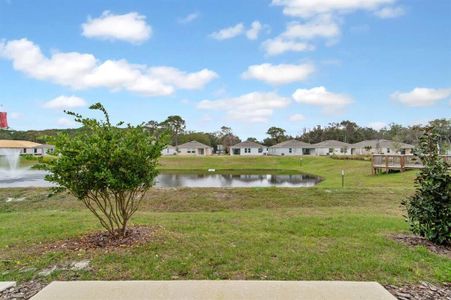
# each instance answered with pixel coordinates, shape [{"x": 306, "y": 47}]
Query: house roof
[
  {"x": 192, "y": 145},
  {"x": 332, "y": 144},
  {"x": 18, "y": 144},
  {"x": 292, "y": 144},
  {"x": 247, "y": 144},
  {"x": 381, "y": 144}
]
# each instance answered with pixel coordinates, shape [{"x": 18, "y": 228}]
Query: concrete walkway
[
  {"x": 211, "y": 289},
  {"x": 4, "y": 285}
]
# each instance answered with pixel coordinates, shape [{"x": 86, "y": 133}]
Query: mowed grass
[{"x": 321, "y": 233}]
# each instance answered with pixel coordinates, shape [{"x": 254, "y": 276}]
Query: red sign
[{"x": 3, "y": 120}]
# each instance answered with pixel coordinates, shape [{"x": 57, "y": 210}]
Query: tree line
[{"x": 345, "y": 131}]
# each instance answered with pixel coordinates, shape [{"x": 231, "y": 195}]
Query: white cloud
[
  {"x": 330, "y": 102},
  {"x": 296, "y": 118},
  {"x": 83, "y": 71},
  {"x": 254, "y": 31},
  {"x": 321, "y": 19},
  {"x": 278, "y": 46},
  {"x": 390, "y": 12},
  {"x": 279, "y": 74},
  {"x": 297, "y": 35},
  {"x": 131, "y": 27},
  {"x": 252, "y": 107},
  {"x": 309, "y": 8},
  {"x": 323, "y": 27},
  {"x": 189, "y": 18},
  {"x": 421, "y": 96},
  {"x": 65, "y": 122},
  {"x": 377, "y": 125},
  {"x": 239, "y": 29},
  {"x": 65, "y": 102},
  {"x": 229, "y": 32}
]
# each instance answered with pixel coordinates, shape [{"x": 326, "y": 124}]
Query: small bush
[
  {"x": 429, "y": 209},
  {"x": 351, "y": 157},
  {"x": 106, "y": 167}
]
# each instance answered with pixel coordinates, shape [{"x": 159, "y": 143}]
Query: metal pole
[{"x": 342, "y": 178}]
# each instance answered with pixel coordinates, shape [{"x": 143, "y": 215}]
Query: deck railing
[{"x": 401, "y": 162}]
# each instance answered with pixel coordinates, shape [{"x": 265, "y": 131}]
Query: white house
[
  {"x": 169, "y": 150},
  {"x": 291, "y": 148},
  {"x": 248, "y": 148},
  {"x": 332, "y": 147},
  {"x": 194, "y": 148},
  {"x": 380, "y": 147},
  {"x": 25, "y": 147}
]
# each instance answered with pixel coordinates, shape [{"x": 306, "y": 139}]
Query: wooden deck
[{"x": 398, "y": 162}]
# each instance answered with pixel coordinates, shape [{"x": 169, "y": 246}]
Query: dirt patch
[
  {"x": 423, "y": 291},
  {"x": 413, "y": 241},
  {"x": 136, "y": 235}
]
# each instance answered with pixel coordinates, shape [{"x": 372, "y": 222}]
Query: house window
[
  {"x": 247, "y": 150},
  {"x": 331, "y": 150},
  {"x": 290, "y": 150},
  {"x": 25, "y": 150},
  {"x": 388, "y": 150},
  {"x": 343, "y": 150},
  {"x": 35, "y": 150},
  {"x": 260, "y": 150}
]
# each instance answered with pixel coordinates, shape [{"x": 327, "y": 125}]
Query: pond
[{"x": 35, "y": 178}]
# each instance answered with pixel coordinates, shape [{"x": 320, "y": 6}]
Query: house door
[{"x": 200, "y": 151}]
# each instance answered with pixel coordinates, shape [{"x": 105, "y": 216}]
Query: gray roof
[
  {"x": 331, "y": 144},
  {"x": 292, "y": 144},
  {"x": 193, "y": 145},
  {"x": 248, "y": 144},
  {"x": 381, "y": 144}
]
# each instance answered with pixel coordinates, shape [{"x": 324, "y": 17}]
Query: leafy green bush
[
  {"x": 429, "y": 210},
  {"x": 106, "y": 167},
  {"x": 351, "y": 157}
]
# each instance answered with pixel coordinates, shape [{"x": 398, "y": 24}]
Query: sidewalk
[{"x": 204, "y": 289}]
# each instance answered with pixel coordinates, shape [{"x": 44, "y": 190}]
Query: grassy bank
[{"x": 321, "y": 233}]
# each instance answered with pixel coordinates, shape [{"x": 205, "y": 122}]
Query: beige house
[
  {"x": 169, "y": 150},
  {"x": 194, "y": 148},
  {"x": 291, "y": 148},
  {"x": 26, "y": 147},
  {"x": 332, "y": 147},
  {"x": 380, "y": 147},
  {"x": 248, "y": 148}
]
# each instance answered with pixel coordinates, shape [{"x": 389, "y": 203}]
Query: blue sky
[{"x": 246, "y": 64}]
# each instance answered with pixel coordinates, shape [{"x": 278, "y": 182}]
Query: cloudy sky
[{"x": 246, "y": 64}]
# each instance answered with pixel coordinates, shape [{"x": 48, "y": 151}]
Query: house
[
  {"x": 169, "y": 150},
  {"x": 332, "y": 147},
  {"x": 248, "y": 148},
  {"x": 380, "y": 147},
  {"x": 26, "y": 147},
  {"x": 194, "y": 148},
  {"x": 291, "y": 148}
]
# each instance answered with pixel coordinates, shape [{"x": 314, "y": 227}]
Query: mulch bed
[
  {"x": 23, "y": 291},
  {"x": 413, "y": 241},
  {"x": 136, "y": 235},
  {"x": 423, "y": 291}
]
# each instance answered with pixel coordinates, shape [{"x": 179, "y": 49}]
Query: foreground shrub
[
  {"x": 429, "y": 210},
  {"x": 106, "y": 167}
]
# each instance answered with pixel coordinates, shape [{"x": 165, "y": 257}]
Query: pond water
[
  {"x": 229, "y": 180},
  {"x": 35, "y": 178}
]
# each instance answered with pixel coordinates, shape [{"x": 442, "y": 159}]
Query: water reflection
[
  {"x": 229, "y": 180},
  {"x": 35, "y": 178}
]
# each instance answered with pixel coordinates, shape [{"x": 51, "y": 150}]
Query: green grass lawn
[{"x": 320, "y": 233}]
